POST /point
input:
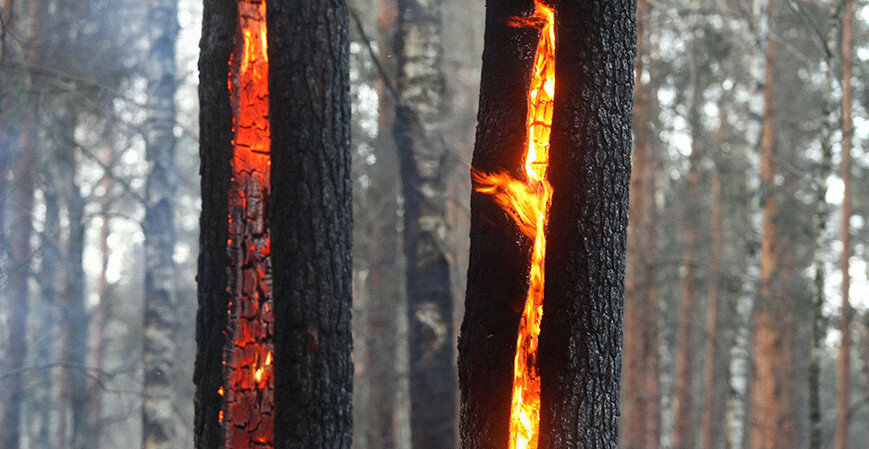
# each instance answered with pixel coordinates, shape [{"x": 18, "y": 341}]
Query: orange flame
[
  {"x": 527, "y": 203},
  {"x": 248, "y": 392}
]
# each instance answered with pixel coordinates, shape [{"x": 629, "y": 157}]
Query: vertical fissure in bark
[
  {"x": 423, "y": 156},
  {"x": 311, "y": 216}
]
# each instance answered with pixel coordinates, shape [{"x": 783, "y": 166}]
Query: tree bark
[
  {"x": 423, "y": 156},
  {"x": 158, "y": 417},
  {"x": 640, "y": 395},
  {"x": 580, "y": 340},
  {"x": 219, "y": 29},
  {"x": 683, "y": 430},
  {"x": 772, "y": 413},
  {"x": 712, "y": 405},
  {"x": 312, "y": 217},
  {"x": 843, "y": 392}
]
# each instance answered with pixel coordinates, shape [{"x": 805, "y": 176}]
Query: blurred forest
[{"x": 749, "y": 202}]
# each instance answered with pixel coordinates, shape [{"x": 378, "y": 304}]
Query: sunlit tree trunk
[
  {"x": 772, "y": 423},
  {"x": 640, "y": 394},
  {"x": 423, "y": 156},
  {"x": 100, "y": 313},
  {"x": 158, "y": 417},
  {"x": 580, "y": 340},
  {"x": 843, "y": 393}
]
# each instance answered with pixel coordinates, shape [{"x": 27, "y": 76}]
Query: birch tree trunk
[
  {"x": 423, "y": 157},
  {"x": 158, "y": 417},
  {"x": 843, "y": 393}
]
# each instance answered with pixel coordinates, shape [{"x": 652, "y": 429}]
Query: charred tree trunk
[
  {"x": 843, "y": 393},
  {"x": 640, "y": 395},
  {"x": 580, "y": 340},
  {"x": 158, "y": 418},
  {"x": 303, "y": 232},
  {"x": 312, "y": 217},
  {"x": 423, "y": 157},
  {"x": 772, "y": 414}
]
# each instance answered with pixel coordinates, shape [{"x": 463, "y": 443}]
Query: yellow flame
[{"x": 527, "y": 203}]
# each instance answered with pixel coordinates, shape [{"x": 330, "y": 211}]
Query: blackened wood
[
  {"x": 499, "y": 255},
  {"x": 215, "y": 136},
  {"x": 581, "y": 332},
  {"x": 311, "y": 222}
]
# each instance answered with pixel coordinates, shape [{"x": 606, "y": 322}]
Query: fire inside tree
[
  {"x": 527, "y": 202},
  {"x": 248, "y": 390}
]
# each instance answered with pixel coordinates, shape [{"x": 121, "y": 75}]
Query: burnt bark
[
  {"x": 312, "y": 221},
  {"x": 423, "y": 157},
  {"x": 159, "y": 423},
  {"x": 580, "y": 341},
  {"x": 590, "y": 167},
  {"x": 219, "y": 30}
]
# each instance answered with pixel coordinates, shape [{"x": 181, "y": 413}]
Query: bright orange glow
[
  {"x": 527, "y": 203},
  {"x": 248, "y": 392}
]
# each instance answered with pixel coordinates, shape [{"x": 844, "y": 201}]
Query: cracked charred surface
[
  {"x": 423, "y": 158},
  {"x": 581, "y": 333},
  {"x": 311, "y": 219}
]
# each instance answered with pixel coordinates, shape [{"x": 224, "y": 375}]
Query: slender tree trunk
[
  {"x": 15, "y": 347},
  {"x": 384, "y": 283},
  {"x": 822, "y": 213},
  {"x": 683, "y": 431},
  {"x": 772, "y": 413},
  {"x": 312, "y": 216},
  {"x": 101, "y": 311},
  {"x": 580, "y": 362},
  {"x": 422, "y": 155},
  {"x": 640, "y": 398},
  {"x": 712, "y": 405},
  {"x": 843, "y": 393},
  {"x": 158, "y": 417},
  {"x": 48, "y": 284},
  {"x": 75, "y": 339}
]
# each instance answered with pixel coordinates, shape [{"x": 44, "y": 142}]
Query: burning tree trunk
[
  {"x": 159, "y": 420},
  {"x": 423, "y": 156},
  {"x": 640, "y": 395},
  {"x": 511, "y": 395},
  {"x": 262, "y": 360},
  {"x": 843, "y": 394},
  {"x": 772, "y": 413}
]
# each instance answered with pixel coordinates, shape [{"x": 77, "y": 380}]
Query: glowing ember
[
  {"x": 527, "y": 202},
  {"x": 248, "y": 392}
]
